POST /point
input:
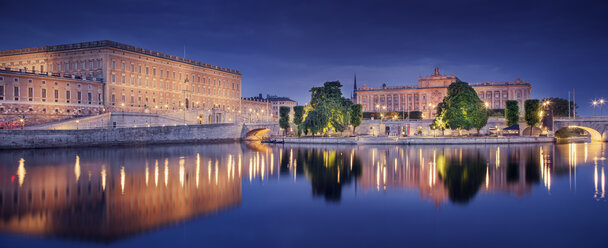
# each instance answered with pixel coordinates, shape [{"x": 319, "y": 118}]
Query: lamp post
[
  {"x": 602, "y": 101},
  {"x": 549, "y": 111},
  {"x": 22, "y": 121},
  {"x": 431, "y": 106},
  {"x": 250, "y": 114},
  {"x": 594, "y": 103},
  {"x": 77, "y": 122}
]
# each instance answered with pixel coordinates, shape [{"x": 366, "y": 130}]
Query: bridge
[
  {"x": 260, "y": 130},
  {"x": 597, "y": 127}
]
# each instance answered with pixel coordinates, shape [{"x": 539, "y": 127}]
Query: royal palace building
[
  {"x": 431, "y": 90},
  {"x": 100, "y": 76}
]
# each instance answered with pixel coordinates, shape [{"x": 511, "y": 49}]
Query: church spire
[{"x": 354, "y": 95}]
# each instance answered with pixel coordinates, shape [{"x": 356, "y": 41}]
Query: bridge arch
[
  {"x": 595, "y": 135},
  {"x": 256, "y": 134}
]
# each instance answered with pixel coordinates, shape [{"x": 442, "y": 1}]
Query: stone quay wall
[
  {"x": 370, "y": 140},
  {"x": 208, "y": 133}
]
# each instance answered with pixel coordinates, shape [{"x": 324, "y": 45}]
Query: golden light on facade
[{"x": 21, "y": 171}]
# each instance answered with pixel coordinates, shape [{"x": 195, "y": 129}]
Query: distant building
[
  {"x": 277, "y": 102},
  {"x": 431, "y": 90},
  {"x": 256, "y": 110}
]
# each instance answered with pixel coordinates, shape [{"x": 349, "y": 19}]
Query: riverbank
[
  {"x": 208, "y": 133},
  {"x": 370, "y": 140}
]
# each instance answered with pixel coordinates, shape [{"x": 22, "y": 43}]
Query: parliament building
[
  {"x": 431, "y": 90},
  {"x": 90, "y": 78}
]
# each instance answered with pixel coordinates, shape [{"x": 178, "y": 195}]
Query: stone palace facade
[
  {"x": 431, "y": 90},
  {"x": 99, "y": 76}
]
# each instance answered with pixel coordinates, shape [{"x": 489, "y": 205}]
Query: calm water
[{"x": 239, "y": 195}]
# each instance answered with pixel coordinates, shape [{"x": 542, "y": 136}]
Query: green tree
[
  {"x": 298, "y": 117},
  {"x": 284, "y": 117},
  {"x": 315, "y": 122},
  {"x": 532, "y": 109},
  {"x": 463, "y": 108},
  {"x": 331, "y": 106},
  {"x": 559, "y": 106},
  {"x": 512, "y": 112},
  {"x": 439, "y": 123},
  {"x": 356, "y": 114},
  {"x": 478, "y": 116}
]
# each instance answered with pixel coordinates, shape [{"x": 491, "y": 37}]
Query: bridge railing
[{"x": 583, "y": 118}]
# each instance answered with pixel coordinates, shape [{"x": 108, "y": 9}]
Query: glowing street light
[
  {"x": 601, "y": 102},
  {"x": 594, "y": 103}
]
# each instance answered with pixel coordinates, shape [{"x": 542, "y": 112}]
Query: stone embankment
[
  {"x": 18, "y": 139},
  {"x": 417, "y": 140}
]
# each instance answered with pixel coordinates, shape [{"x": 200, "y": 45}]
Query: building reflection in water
[
  {"x": 53, "y": 197},
  {"x": 106, "y": 194}
]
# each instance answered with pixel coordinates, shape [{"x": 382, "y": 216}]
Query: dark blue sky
[{"x": 286, "y": 47}]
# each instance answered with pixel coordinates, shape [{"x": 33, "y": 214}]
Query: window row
[{"x": 16, "y": 95}]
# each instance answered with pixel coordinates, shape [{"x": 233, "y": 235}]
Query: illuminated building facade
[
  {"x": 256, "y": 110},
  {"x": 431, "y": 90},
  {"x": 277, "y": 102},
  {"x": 49, "y": 97},
  {"x": 132, "y": 79}
]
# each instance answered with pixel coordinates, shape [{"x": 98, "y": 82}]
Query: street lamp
[
  {"x": 594, "y": 103},
  {"x": 601, "y": 101},
  {"x": 77, "y": 122}
]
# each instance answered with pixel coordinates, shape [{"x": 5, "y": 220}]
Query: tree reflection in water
[
  {"x": 327, "y": 169},
  {"x": 463, "y": 177}
]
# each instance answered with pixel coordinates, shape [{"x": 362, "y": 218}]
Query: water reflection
[
  {"x": 115, "y": 200},
  {"x": 106, "y": 194}
]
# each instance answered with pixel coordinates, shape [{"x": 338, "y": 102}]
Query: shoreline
[{"x": 417, "y": 140}]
